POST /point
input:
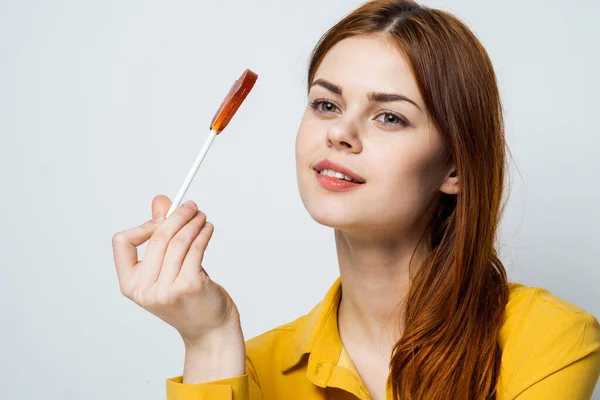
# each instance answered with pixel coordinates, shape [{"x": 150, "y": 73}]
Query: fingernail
[
  {"x": 158, "y": 217},
  {"x": 189, "y": 204}
]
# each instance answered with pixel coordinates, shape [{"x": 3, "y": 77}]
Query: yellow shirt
[{"x": 550, "y": 350}]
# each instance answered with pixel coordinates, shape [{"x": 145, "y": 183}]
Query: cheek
[
  {"x": 304, "y": 146},
  {"x": 400, "y": 185},
  {"x": 307, "y": 141},
  {"x": 300, "y": 148},
  {"x": 405, "y": 186}
]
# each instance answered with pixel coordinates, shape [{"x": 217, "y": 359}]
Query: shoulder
[
  {"x": 273, "y": 339},
  {"x": 281, "y": 345},
  {"x": 542, "y": 333},
  {"x": 536, "y": 311},
  {"x": 521, "y": 295},
  {"x": 278, "y": 350}
]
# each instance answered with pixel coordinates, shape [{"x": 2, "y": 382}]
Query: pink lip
[
  {"x": 338, "y": 185},
  {"x": 327, "y": 164}
]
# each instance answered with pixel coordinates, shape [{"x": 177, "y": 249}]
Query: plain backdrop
[{"x": 105, "y": 104}]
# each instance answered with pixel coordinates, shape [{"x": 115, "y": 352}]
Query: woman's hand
[{"x": 170, "y": 281}]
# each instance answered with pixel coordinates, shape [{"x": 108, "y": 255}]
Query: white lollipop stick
[
  {"x": 229, "y": 106},
  {"x": 192, "y": 173}
]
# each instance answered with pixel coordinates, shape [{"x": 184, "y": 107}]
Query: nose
[{"x": 344, "y": 136}]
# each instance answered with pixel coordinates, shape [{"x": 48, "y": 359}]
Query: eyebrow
[{"x": 372, "y": 96}]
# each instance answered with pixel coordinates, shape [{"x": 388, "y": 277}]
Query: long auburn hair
[{"x": 455, "y": 302}]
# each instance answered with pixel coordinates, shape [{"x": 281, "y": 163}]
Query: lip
[
  {"x": 337, "y": 185},
  {"x": 328, "y": 164}
]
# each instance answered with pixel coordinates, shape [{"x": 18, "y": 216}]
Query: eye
[
  {"x": 391, "y": 119},
  {"x": 323, "y": 106}
]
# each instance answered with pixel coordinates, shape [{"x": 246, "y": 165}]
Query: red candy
[{"x": 233, "y": 100}]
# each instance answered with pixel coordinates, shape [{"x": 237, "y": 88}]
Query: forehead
[{"x": 366, "y": 63}]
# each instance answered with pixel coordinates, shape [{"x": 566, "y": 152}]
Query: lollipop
[{"x": 226, "y": 111}]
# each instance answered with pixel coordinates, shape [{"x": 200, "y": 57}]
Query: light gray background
[{"x": 105, "y": 104}]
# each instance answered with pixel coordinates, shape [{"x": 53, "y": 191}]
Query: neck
[{"x": 375, "y": 281}]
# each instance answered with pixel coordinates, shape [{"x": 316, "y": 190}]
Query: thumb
[{"x": 160, "y": 205}]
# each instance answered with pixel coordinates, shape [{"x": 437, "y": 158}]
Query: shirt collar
[{"x": 317, "y": 334}]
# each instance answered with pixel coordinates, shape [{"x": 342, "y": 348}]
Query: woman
[{"x": 402, "y": 151}]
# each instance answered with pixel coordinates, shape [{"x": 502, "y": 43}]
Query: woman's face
[{"x": 366, "y": 114}]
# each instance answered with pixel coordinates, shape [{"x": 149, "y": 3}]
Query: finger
[
  {"x": 125, "y": 245},
  {"x": 160, "y": 204},
  {"x": 191, "y": 269},
  {"x": 178, "y": 248},
  {"x": 157, "y": 246}
]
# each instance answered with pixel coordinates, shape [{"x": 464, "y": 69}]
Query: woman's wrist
[{"x": 220, "y": 355}]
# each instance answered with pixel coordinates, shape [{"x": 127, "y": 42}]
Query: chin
[
  {"x": 332, "y": 209},
  {"x": 332, "y": 215}
]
